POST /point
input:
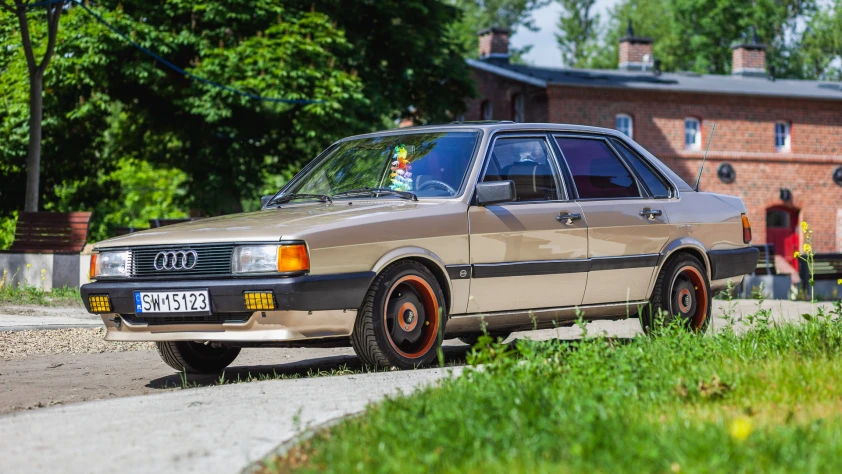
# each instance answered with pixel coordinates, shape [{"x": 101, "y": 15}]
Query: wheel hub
[{"x": 411, "y": 315}]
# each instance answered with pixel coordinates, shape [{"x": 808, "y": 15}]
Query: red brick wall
[
  {"x": 500, "y": 92},
  {"x": 493, "y": 43},
  {"x": 744, "y": 137}
]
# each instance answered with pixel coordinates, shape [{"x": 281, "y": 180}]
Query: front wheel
[
  {"x": 401, "y": 321},
  {"x": 196, "y": 357},
  {"x": 682, "y": 293}
]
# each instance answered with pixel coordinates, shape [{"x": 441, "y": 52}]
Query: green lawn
[
  {"x": 14, "y": 294},
  {"x": 768, "y": 400}
]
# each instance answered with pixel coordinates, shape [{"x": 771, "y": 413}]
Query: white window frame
[
  {"x": 486, "y": 110},
  {"x": 696, "y": 144},
  {"x": 785, "y": 136},
  {"x": 628, "y": 117}
]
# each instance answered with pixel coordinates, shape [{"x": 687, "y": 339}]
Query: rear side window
[
  {"x": 597, "y": 172},
  {"x": 655, "y": 183}
]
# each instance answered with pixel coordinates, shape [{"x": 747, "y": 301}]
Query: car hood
[{"x": 270, "y": 225}]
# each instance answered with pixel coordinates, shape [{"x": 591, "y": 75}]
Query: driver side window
[{"x": 527, "y": 162}]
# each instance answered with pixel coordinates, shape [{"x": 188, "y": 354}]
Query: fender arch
[{"x": 427, "y": 258}]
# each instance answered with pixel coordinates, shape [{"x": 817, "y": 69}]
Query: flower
[
  {"x": 796, "y": 254},
  {"x": 804, "y": 227},
  {"x": 808, "y": 248},
  {"x": 740, "y": 428},
  {"x": 839, "y": 281}
]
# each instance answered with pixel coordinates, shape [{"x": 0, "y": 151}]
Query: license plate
[{"x": 196, "y": 301}]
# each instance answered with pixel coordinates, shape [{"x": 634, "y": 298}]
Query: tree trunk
[{"x": 33, "y": 156}]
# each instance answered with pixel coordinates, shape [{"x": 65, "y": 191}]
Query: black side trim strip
[
  {"x": 554, "y": 267},
  {"x": 549, "y": 267},
  {"x": 619, "y": 263},
  {"x": 458, "y": 272},
  {"x": 731, "y": 263}
]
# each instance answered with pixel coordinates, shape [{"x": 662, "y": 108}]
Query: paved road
[
  {"x": 22, "y": 317},
  {"x": 214, "y": 429}
]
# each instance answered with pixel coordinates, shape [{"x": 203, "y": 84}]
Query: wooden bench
[
  {"x": 827, "y": 266},
  {"x": 51, "y": 232},
  {"x": 766, "y": 260},
  {"x": 155, "y": 223}
]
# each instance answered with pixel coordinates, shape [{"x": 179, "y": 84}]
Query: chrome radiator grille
[{"x": 212, "y": 260}]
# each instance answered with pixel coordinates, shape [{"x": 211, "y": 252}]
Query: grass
[
  {"x": 15, "y": 294},
  {"x": 766, "y": 400}
]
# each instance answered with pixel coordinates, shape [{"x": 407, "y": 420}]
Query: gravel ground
[{"x": 19, "y": 344}]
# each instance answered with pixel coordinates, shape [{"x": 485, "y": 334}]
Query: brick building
[{"x": 778, "y": 143}]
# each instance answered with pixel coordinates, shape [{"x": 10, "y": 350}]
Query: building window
[
  {"x": 692, "y": 134},
  {"x": 517, "y": 108},
  {"x": 782, "y": 137},
  {"x": 623, "y": 124},
  {"x": 485, "y": 110}
]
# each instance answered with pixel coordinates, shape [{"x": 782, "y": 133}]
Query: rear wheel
[
  {"x": 682, "y": 292},
  {"x": 196, "y": 357},
  {"x": 402, "y": 318}
]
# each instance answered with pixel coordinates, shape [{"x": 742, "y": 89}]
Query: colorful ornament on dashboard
[{"x": 401, "y": 170}]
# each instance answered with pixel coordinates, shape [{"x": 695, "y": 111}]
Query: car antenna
[{"x": 704, "y": 158}]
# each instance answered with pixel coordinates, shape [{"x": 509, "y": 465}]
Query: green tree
[
  {"x": 697, "y": 35},
  {"x": 480, "y": 14},
  {"x": 578, "y": 27},
  {"x": 36, "y": 69},
  {"x": 821, "y": 44},
  {"x": 107, "y": 103}
]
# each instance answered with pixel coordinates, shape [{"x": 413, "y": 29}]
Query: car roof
[{"x": 492, "y": 126}]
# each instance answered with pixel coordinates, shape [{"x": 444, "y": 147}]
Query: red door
[{"x": 781, "y": 223}]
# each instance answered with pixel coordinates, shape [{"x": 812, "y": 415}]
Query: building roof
[{"x": 668, "y": 81}]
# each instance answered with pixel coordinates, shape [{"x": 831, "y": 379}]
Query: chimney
[
  {"x": 749, "y": 59},
  {"x": 494, "y": 44},
  {"x": 635, "y": 51}
]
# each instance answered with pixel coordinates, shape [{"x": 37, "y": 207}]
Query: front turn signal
[
  {"x": 293, "y": 258},
  {"x": 92, "y": 269},
  {"x": 746, "y": 229}
]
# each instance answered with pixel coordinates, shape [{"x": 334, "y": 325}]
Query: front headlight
[
  {"x": 110, "y": 265},
  {"x": 285, "y": 258}
]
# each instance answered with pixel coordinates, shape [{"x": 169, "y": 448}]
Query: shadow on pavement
[{"x": 317, "y": 367}]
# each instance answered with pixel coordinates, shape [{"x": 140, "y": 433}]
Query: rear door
[
  {"x": 627, "y": 223},
  {"x": 526, "y": 254}
]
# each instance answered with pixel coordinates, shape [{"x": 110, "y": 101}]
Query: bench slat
[{"x": 51, "y": 232}]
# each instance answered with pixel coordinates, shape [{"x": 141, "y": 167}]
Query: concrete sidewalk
[
  {"x": 23, "y": 317},
  {"x": 208, "y": 430}
]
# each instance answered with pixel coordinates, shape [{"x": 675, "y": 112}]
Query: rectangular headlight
[
  {"x": 270, "y": 259},
  {"x": 111, "y": 265}
]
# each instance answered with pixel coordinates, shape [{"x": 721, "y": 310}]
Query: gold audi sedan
[{"x": 394, "y": 241}]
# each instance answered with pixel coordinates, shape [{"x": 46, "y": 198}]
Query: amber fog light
[
  {"x": 259, "y": 300},
  {"x": 99, "y": 303}
]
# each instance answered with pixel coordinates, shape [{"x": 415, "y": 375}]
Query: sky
[{"x": 544, "y": 47}]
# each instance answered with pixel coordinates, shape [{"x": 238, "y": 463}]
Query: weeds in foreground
[
  {"x": 24, "y": 293},
  {"x": 762, "y": 400}
]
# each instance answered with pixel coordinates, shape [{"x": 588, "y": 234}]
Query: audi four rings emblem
[{"x": 176, "y": 260}]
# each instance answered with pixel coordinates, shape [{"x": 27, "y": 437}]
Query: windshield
[{"x": 425, "y": 164}]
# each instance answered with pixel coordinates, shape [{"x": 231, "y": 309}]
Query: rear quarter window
[{"x": 657, "y": 186}]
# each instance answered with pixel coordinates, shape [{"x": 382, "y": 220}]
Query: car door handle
[
  {"x": 651, "y": 214},
  {"x": 567, "y": 218}
]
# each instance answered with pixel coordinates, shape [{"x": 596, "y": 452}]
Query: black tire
[
  {"x": 472, "y": 339},
  {"x": 394, "y": 326},
  {"x": 682, "y": 291},
  {"x": 196, "y": 357}
]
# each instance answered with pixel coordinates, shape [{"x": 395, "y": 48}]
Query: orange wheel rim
[
  {"x": 411, "y": 317},
  {"x": 690, "y": 296}
]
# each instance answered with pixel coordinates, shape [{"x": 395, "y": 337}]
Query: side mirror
[
  {"x": 493, "y": 192},
  {"x": 265, "y": 199}
]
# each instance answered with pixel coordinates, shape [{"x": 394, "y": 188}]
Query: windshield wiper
[
  {"x": 377, "y": 192},
  {"x": 283, "y": 199}
]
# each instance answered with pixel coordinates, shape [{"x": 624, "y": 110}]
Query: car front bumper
[{"x": 306, "y": 307}]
